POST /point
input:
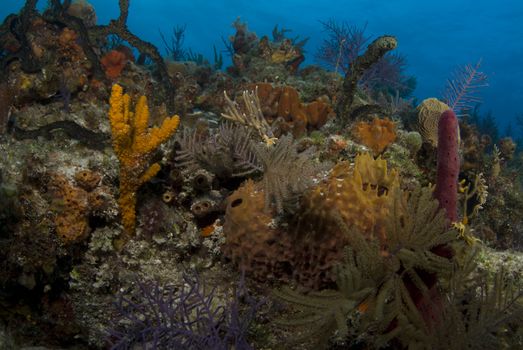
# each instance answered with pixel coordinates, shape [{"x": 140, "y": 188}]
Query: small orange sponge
[
  {"x": 113, "y": 63},
  {"x": 376, "y": 135}
]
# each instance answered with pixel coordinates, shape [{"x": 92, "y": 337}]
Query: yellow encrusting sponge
[{"x": 134, "y": 143}]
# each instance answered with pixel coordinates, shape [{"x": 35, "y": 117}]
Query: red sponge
[{"x": 448, "y": 164}]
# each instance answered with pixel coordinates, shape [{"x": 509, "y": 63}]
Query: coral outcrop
[
  {"x": 135, "y": 143},
  {"x": 84, "y": 11},
  {"x": 65, "y": 67},
  {"x": 473, "y": 147},
  {"x": 507, "y": 148},
  {"x": 74, "y": 203},
  {"x": 250, "y": 53},
  {"x": 284, "y": 103}
]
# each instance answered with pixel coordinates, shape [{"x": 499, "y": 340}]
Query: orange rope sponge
[{"x": 134, "y": 143}]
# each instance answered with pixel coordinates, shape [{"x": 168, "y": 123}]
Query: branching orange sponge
[{"x": 134, "y": 143}]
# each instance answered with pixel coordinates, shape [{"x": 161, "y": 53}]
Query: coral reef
[
  {"x": 507, "y": 148},
  {"x": 281, "y": 183},
  {"x": 58, "y": 50},
  {"x": 285, "y": 103},
  {"x": 340, "y": 50},
  {"x": 473, "y": 147},
  {"x": 462, "y": 91},
  {"x": 344, "y": 43},
  {"x": 298, "y": 179},
  {"x": 411, "y": 140},
  {"x": 374, "y": 281},
  {"x": 377, "y": 310},
  {"x": 251, "y": 116},
  {"x": 10, "y": 210},
  {"x": 249, "y": 52},
  {"x": 224, "y": 152},
  {"x": 308, "y": 252},
  {"x": 500, "y": 217}
]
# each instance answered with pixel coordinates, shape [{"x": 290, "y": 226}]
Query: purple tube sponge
[{"x": 448, "y": 164}]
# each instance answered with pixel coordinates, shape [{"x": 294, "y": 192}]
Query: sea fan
[
  {"x": 387, "y": 75},
  {"x": 344, "y": 43},
  {"x": 461, "y": 92},
  {"x": 191, "y": 317}
]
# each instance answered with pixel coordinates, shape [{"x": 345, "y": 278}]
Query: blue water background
[{"x": 435, "y": 36}]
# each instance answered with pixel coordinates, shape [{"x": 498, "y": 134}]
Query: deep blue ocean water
[{"x": 435, "y": 36}]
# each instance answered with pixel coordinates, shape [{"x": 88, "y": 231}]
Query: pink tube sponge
[{"x": 448, "y": 164}]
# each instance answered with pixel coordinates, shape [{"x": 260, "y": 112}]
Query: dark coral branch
[
  {"x": 124, "y": 12},
  {"x": 58, "y": 13},
  {"x": 175, "y": 49},
  {"x": 386, "y": 75},
  {"x": 119, "y": 27},
  {"x": 342, "y": 46},
  {"x": 375, "y": 51},
  {"x": 116, "y": 27},
  {"x": 18, "y": 26}
]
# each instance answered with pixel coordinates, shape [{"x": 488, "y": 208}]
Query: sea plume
[
  {"x": 462, "y": 90},
  {"x": 192, "y": 316}
]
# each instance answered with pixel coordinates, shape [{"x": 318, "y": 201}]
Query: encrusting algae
[{"x": 134, "y": 143}]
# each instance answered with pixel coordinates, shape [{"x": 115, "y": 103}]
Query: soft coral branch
[
  {"x": 191, "y": 316},
  {"x": 461, "y": 92},
  {"x": 344, "y": 43}
]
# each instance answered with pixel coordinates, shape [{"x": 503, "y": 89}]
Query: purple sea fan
[
  {"x": 387, "y": 74},
  {"x": 345, "y": 43},
  {"x": 462, "y": 89},
  {"x": 165, "y": 317}
]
